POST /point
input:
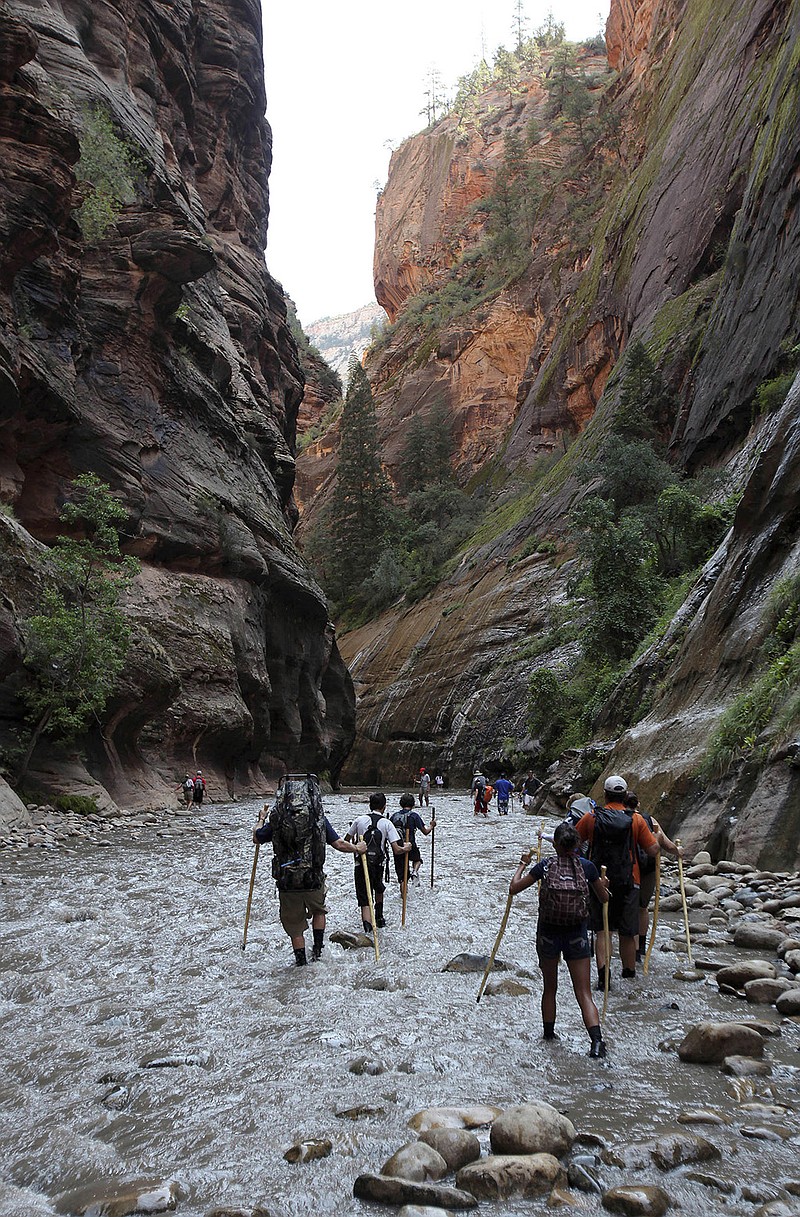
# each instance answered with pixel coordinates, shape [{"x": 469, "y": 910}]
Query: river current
[{"x": 139, "y": 1041}]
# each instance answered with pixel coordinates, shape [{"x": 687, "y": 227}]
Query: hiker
[
  {"x": 424, "y": 787},
  {"x": 529, "y": 788},
  {"x": 378, "y": 832},
  {"x": 299, "y": 831},
  {"x": 647, "y": 870},
  {"x": 198, "y": 788},
  {"x": 563, "y": 928},
  {"x": 478, "y": 789},
  {"x": 408, "y": 818},
  {"x": 503, "y": 789},
  {"x": 187, "y": 789},
  {"x": 439, "y": 780},
  {"x": 616, "y": 837}
]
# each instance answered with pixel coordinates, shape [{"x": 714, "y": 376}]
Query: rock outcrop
[{"x": 156, "y": 354}]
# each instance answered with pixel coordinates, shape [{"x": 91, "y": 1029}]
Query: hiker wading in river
[
  {"x": 299, "y": 831},
  {"x": 407, "y": 820},
  {"x": 563, "y": 928},
  {"x": 378, "y": 832}
]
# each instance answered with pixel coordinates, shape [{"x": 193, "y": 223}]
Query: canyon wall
[
  {"x": 156, "y": 354},
  {"x": 694, "y": 250}
]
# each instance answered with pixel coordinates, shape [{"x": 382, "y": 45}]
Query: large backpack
[
  {"x": 373, "y": 839},
  {"x": 402, "y": 821},
  {"x": 612, "y": 842},
  {"x": 564, "y": 892},
  {"x": 298, "y": 834}
]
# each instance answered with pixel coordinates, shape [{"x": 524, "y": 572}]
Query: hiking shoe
[
  {"x": 380, "y": 922},
  {"x": 598, "y": 1049},
  {"x": 316, "y": 954},
  {"x": 601, "y": 980}
]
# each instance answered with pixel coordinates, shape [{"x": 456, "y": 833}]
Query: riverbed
[{"x": 139, "y": 1041}]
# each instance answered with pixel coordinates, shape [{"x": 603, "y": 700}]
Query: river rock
[
  {"x": 701, "y": 858},
  {"x": 679, "y": 1148},
  {"x": 507, "y": 987},
  {"x": 701, "y": 1115},
  {"x": 708, "y": 1042},
  {"x": 736, "y": 975},
  {"x": 456, "y": 1145},
  {"x": 532, "y": 1128},
  {"x": 779, "y": 1208},
  {"x": 758, "y": 937},
  {"x": 308, "y": 1151},
  {"x": 745, "y": 1067},
  {"x": 765, "y": 991},
  {"x": 641, "y": 1201},
  {"x": 122, "y": 1199},
  {"x": 788, "y": 1003},
  {"x": 416, "y": 1161},
  {"x": 226, "y": 1211},
  {"x": 348, "y": 941},
  {"x": 561, "y": 1197},
  {"x": 710, "y": 883},
  {"x": 700, "y": 870},
  {"x": 502, "y": 1175},
  {"x": 473, "y": 963},
  {"x": 421, "y": 1210},
  {"x": 720, "y": 1185},
  {"x": 788, "y": 944},
  {"x": 386, "y": 1189},
  {"x": 792, "y": 960},
  {"x": 670, "y": 904},
  {"x": 368, "y": 1065},
  {"x": 454, "y": 1117}
]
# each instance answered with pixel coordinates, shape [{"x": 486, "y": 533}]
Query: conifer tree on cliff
[{"x": 359, "y": 517}]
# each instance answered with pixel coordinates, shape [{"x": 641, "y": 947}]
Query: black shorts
[
  {"x": 571, "y": 941},
  {"x": 623, "y": 912},
  {"x": 376, "y": 881},
  {"x": 413, "y": 856}
]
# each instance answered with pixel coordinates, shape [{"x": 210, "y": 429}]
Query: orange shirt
[{"x": 642, "y": 835}]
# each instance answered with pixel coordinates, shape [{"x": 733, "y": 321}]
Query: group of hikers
[
  {"x": 193, "y": 789},
  {"x": 602, "y": 877},
  {"x": 483, "y": 793}
]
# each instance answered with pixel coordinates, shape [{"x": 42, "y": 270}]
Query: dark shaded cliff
[
  {"x": 691, "y": 248},
  {"x": 157, "y": 355}
]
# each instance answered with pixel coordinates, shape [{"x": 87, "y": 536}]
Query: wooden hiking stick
[
  {"x": 497, "y": 942},
  {"x": 250, "y": 894},
  {"x": 685, "y": 908},
  {"x": 433, "y": 840},
  {"x": 539, "y": 846},
  {"x": 655, "y": 915},
  {"x": 607, "y": 939},
  {"x": 368, "y": 886},
  {"x": 405, "y": 882}
]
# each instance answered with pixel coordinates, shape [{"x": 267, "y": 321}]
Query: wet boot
[
  {"x": 300, "y": 957},
  {"x": 601, "y": 980},
  {"x": 628, "y": 973},
  {"x": 379, "y": 921},
  {"x": 319, "y": 939},
  {"x": 549, "y": 1031},
  {"x": 642, "y": 951},
  {"x": 598, "y": 1046},
  {"x": 367, "y": 927}
]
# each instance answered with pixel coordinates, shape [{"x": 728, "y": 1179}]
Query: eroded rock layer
[{"x": 156, "y": 354}]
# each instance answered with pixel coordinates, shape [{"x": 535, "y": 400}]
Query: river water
[{"x": 116, "y": 957}]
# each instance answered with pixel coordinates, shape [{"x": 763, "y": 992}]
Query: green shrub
[
  {"x": 80, "y": 804},
  {"x": 771, "y": 394},
  {"x": 110, "y": 166}
]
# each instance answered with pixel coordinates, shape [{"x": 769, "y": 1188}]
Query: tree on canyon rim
[{"x": 77, "y": 643}]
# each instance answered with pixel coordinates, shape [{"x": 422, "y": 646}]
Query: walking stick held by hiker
[
  {"x": 539, "y": 846},
  {"x": 368, "y": 886},
  {"x": 497, "y": 942},
  {"x": 250, "y": 895},
  {"x": 685, "y": 908},
  {"x": 405, "y": 882},
  {"x": 433, "y": 840},
  {"x": 607, "y": 940},
  {"x": 654, "y": 926}
]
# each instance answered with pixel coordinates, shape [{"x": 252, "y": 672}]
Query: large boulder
[
  {"x": 456, "y": 1145},
  {"x": 454, "y": 1117},
  {"x": 416, "y": 1161},
  {"x": 500, "y": 1176},
  {"x": 765, "y": 991},
  {"x": 386, "y": 1189},
  {"x": 756, "y": 936},
  {"x": 788, "y": 1003},
  {"x": 707, "y": 1043},
  {"x": 736, "y": 975},
  {"x": 532, "y": 1128}
]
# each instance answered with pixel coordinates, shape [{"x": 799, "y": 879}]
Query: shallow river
[{"x": 114, "y": 957}]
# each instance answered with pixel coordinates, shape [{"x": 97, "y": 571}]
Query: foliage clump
[
  {"x": 79, "y": 804},
  {"x": 110, "y": 167}
]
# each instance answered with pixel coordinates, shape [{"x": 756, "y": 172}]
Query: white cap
[{"x": 615, "y": 784}]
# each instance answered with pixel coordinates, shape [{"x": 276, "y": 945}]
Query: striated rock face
[{"x": 159, "y": 358}]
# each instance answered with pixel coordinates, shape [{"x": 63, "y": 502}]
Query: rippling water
[{"x": 115, "y": 957}]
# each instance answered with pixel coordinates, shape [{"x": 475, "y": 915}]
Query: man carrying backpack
[
  {"x": 187, "y": 790},
  {"x": 503, "y": 789},
  {"x": 479, "y": 790},
  {"x": 378, "y": 832},
  {"x": 409, "y": 819},
  {"x": 299, "y": 831},
  {"x": 198, "y": 788},
  {"x": 616, "y": 835},
  {"x": 562, "y": 928}
]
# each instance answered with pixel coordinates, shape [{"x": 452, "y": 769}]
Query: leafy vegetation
[
  {"x": 110, "y": 167},
  {"x": 80, "y": 804}
]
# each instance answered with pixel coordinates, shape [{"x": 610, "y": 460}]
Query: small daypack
[
  {"x": 402, "y": 821},
  {"x": 564, "y": 892},
  {"x": 612, "y": 842},
  {"x": 188, "y": 784},
  {"x": 197, "y": 784},
  {"x": 298, "y": 834},
  {"x": 373, "y": 839}
]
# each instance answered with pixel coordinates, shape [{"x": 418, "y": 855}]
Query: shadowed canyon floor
[{"x": 140, "y": 1043}]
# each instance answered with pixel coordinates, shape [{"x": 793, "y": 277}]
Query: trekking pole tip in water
[{"x": 250, "y": 895}]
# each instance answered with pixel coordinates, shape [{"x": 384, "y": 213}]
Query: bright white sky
[{"x": 345, "y": 84}]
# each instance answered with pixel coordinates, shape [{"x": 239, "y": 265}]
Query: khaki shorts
[{"x": 296, "y": 909}]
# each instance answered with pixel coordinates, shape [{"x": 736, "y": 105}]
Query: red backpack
[{"x": 564, "y": 892}]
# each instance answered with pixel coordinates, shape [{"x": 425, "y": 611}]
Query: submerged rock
[
  {"x": 680, "y": 1148},
  {"x": 473, "y": 963},
  {"x": 502, "y": 1175},
  {"x": 456, "y": 1145},
  {"x": 640, "y": 1201},
  {"x": 383, "y": 1189},
  {"x": 532, "y": 1128},
  {"x": 308, "y": 1151},
  {"x": 507, "y": 987},
  {"x": 416, "y": 1161},
  {"x": 746, "y": 1067},
  {"x": 121, "y": 1200},
  {"x": 348, "y": 941}
]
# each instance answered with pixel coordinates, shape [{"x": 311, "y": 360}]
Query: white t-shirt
[{"x": 385, "y": 827}]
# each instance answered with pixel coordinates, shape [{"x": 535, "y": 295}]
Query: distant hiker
[
  {"x": 299, "y": 831},
  {"x": 424, "y": 787},
  {"x": 198, "y": 788},
  {"x": 187, "y": 789},
  {"x": 479, "y": 790},
  {"x": 439, "y": 780},
  {"x": 616, "y": 837},
  {"x": 378, "y": 832},
  {"x": 408, "y": 818},
  {"x": 503, "y": 789},
  {"x": 647, "y": 870},
  {"x": 529, "y": 788},
  {"x": 563, "y": 928}
]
